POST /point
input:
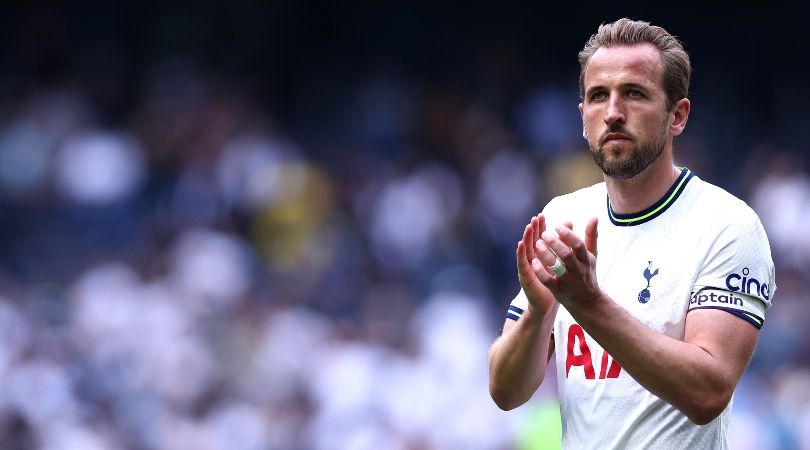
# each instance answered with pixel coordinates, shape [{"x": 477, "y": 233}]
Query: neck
[{"x": 643, "y": 190}]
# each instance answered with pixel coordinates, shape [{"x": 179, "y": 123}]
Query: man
[{"x": 653, "y": 331}]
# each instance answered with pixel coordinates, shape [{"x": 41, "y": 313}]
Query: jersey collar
[{"x": 658, "y": 208}]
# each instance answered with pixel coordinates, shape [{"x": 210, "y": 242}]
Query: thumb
[{"x": 590, "y": 235}]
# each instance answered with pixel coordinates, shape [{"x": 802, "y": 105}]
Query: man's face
[{"x": 624, "y": 111}]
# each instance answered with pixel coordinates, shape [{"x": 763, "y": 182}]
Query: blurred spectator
[{"x": 98, "y": 167}]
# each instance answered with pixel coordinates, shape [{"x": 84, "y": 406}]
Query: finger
[
  {"x": 528, "y": 238},
  {"x": 560, "y": 248},
  {"x": 520, "y": 255},
  {"x": 568, "y": 224},
  {"x": 546, "y": 256},
  {"x": 529, "y": 272},
  {"x": 570, "y": 239},
  {"x": 528, "y": 246},
  {"x": 591, "y": 233},
  {"x": 524, "y": 267},
  {"x": 547, "y": 259},
  {"x": 540, "y": 226},
  {"x": 542, "y": 272}
]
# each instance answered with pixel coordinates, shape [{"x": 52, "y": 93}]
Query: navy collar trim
[{"x": 658, "y": 208}]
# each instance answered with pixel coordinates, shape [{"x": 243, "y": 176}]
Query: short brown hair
[{"x": 677, "y": 69}]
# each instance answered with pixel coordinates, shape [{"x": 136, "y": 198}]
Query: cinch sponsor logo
[
  {"x": 728, "y": 299},
  {"x": 751, "y": 286}
]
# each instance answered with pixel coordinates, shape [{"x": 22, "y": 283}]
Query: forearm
[
  {"x": 518, "y": 359},
  {"x": 682, "y": 374}
]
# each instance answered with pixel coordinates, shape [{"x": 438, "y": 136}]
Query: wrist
[
  {"x": 590, "y": 303},
  {"x": 540, "y": 315}
]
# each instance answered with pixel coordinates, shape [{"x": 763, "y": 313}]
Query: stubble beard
[{"x": 640, "y": 157}]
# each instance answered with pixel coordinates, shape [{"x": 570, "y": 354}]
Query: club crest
[{"x": 644, "y": 295}]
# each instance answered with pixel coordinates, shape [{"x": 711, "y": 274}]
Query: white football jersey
[{"x": 698, "y": 247}]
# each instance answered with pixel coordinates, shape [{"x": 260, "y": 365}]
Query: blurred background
[{"x": 291, "y": 225}]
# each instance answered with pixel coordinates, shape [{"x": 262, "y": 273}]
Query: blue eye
[{"x": 634, "y": 93}]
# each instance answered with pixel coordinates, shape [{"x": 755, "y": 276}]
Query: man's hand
[
  {"x": 577, "y": 287},
  {"x": 530, "y": 268}
]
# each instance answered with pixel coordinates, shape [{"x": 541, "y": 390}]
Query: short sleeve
[
  {"x": 737, "y": 273},
  {"x": 517, "y": 306}
]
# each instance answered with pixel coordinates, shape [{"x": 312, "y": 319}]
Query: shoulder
[
  {"x": 722, "y": 210},
  {"x": 736, "y": 244},
  {"x": 577, "y": 201}
]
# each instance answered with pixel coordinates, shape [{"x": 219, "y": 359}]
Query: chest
[{"x": 649, "y": 271}]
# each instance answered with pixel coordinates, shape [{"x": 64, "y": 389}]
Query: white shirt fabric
[{"x": 699, "y": 247}]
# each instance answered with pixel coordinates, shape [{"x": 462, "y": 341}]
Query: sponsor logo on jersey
[
  {"x": 747, "y": 284},
  {"x": 578, "y": 354},
  {"x": 644, "y": 295},
  {"x": 699, "y": 298}
]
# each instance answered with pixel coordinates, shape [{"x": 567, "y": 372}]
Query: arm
[
  {"x": 517, "y": 364},
  {"x": 518, "y": 359},
  {"x": 697, "y": 375}
]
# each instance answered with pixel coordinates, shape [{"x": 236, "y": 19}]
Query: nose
[{"x": 615, "y": 111}]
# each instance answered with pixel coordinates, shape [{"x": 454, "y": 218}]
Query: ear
[
  {"x": 680, "y": 114},
  {"x": 582, "y": 116}
]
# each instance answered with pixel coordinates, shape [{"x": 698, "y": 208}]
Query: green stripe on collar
[{"x": 626, "y": 220}]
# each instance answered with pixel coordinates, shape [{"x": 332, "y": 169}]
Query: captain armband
[{"x": 746, "y": 307}]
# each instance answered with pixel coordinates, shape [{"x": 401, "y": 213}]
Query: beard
[{"x": 640, "y": 157}]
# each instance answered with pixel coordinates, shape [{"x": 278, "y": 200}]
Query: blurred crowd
[{"x": 198, "y": 273}]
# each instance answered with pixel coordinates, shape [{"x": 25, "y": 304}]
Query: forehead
[{"x": 638, "y": 64}]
